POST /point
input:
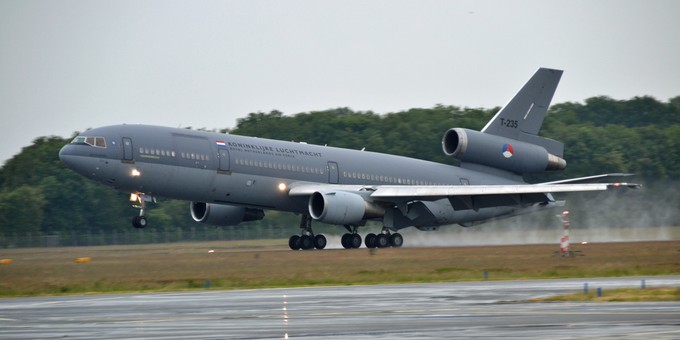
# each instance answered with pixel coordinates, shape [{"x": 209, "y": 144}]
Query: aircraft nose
[
  {"x": 66, "y": 155},
  {"x": 71, "y": 157},
  {"x": 79, "y": 159}
]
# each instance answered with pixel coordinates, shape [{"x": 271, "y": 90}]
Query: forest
[{"x": 39, "y": 196}]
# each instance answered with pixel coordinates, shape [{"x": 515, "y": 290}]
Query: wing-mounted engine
[
  {"x": 223, "y": 215},
  {"x": 342, "y": 208},
  {"x": 499, "y": 152}
]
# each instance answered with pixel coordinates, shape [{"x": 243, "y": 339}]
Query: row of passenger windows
[
  {"x": 321, "y": 171},
  {"x": 171, "y": 153},
  {"x": 289, "y": 167},
  {"x": 280, "y": 166},
  {"x": 386, "y": 179}
]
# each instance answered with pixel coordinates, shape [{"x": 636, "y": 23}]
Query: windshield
[{"x": 99, "y": 142}]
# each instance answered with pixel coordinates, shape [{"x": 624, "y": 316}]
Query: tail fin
[{"x": 522, "y": 117}]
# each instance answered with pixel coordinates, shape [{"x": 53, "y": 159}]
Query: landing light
[
  {"x": 135, "y": 173},
  {"x": 282, "y": 186},
  {"x": 134, "y": 197}
]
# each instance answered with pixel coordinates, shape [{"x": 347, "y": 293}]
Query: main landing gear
[
  {"x": 350, "y": 240},
  {"x": 307, "y": 240},
  {"x": 384, "y": 239}
]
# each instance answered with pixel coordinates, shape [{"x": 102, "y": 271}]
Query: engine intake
[
  {"x": 223, "y": 215},
  {"x": 341, "y": 208},
  {"x": 499, "y": 152}
]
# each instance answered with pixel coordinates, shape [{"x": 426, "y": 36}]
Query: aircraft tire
[
  {"x": 369, "y": 240},
  {"x": 139, "y": 222},
  {"x": 344, "y": 242},
  {"x": 294, "y": 242},
  {"x": 306, "y": 242},
  {"x": 355, "y": 240},
  {"x": 396, "y": 240},
  {"x": 320, "y": 241},
  {"x": 381, "y": 241}
]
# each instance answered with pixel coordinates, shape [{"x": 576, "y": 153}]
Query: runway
[{"x": 412, "y": 311}]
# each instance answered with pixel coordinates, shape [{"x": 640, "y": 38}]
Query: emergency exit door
[
  {"x": 127, "y": 149},
  {"x": 224, "y": 159},
  {"x": 333, "y": 173}
]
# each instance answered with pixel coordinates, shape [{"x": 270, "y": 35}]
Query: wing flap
[
  {"x": 487, "y": 201},
  {"x": 589, "y": 179}
]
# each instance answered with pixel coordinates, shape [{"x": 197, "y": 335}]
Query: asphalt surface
[{"x": 413, "y": 311}]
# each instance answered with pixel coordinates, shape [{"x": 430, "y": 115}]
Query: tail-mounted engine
[{"x": 499, "y": 152}]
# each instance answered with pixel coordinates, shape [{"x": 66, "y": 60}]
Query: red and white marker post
[{"x": 564, "y": 240}]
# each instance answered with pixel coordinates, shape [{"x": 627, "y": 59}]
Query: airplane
[{"x": 231, "y": 179}]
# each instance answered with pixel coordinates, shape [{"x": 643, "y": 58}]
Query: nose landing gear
[{"x": 140, "y": 200}]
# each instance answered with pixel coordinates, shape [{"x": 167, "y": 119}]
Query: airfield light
[{"x": 282, "y": 186}]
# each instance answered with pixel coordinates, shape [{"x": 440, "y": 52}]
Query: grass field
[{"x": 259, "y": 264}]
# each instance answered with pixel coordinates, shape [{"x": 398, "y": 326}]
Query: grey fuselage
[{"x": 247, "y": 171}]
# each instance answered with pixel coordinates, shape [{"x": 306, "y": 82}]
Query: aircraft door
[
  {"x": 333, "y": 173},
  {"x": 127, "y": 149},
  {"x": 224, "y": 159}
]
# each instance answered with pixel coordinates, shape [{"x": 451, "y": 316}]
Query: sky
[{"x": 70, "y": 65}]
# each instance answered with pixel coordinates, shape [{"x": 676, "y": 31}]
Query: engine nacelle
[
  {"x": 499, "y": 152},
  {"x": 223, "y": 215},
  {"x": 342, "y": 208}
]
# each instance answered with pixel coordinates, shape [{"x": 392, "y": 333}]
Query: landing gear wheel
[
  {"x": 381, "y": 241},
  {"x": 369, "y": 240},
  {"x": 139, "y": 222},
  {"x": 294, "y": 242},
  {"x": 396, "y": 240},
  {"x": 306, "y": 242},
  {"x": 345, "y": 241},
  {"x": 355, "y": 241},
  {"x": 350, "y": 241},
  {"x": 320, "y": 242}
]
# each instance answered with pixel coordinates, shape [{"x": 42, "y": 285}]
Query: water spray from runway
[{"x": 648, "y": 214}]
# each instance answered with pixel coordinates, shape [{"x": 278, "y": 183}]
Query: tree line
[{"x": 641, "y": 135}]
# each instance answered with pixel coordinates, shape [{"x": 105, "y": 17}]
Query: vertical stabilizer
[{"x": 522, "y": 117}]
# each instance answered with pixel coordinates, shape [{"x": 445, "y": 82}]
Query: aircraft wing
[
  {"x": 477, "y": 190},
  {"x": 462, "y": 197}
]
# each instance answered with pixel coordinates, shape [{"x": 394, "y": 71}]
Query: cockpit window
[{"x": 99, "y": 142}]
